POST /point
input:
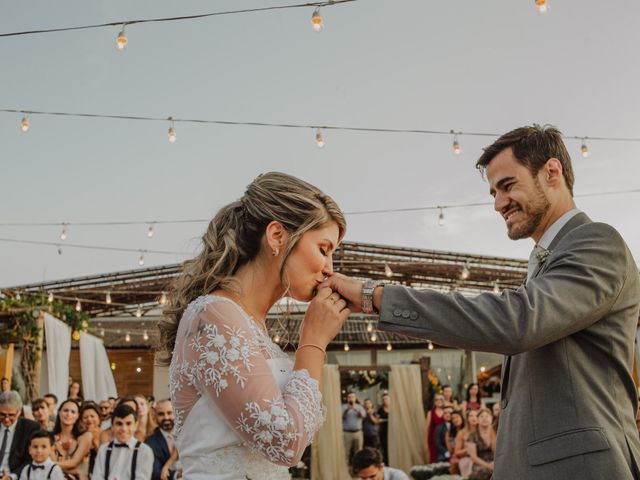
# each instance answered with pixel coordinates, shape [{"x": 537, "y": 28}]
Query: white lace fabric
[{"x": 221, "y": 354}]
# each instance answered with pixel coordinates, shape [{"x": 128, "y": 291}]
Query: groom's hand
[{"x": 349, "y": 288}]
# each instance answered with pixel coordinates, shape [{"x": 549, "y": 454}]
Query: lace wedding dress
[{"x": 241, "y": 411}]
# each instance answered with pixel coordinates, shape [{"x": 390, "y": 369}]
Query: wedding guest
[
  {"x": 457, "y": 424},
  {"x": 440, "y": 436},
  {"x": 146, "y": 420},
  {"x": 115, "y": 460},
  {"x": 370, "y": 425},
  {"x": 449, "y": 399},
  {"x": 383, "y": 427},
  {"x": 105, "y": 414},
  {"x": 495, "y": 410},
  {"x": 90, "y": 418},
  {"x": 71, "y": 445},
  {"x": 52, "y": 402},
  {"x": 368, "y": 465},
  {"x": 481, "y": 446},
  {"x": 473, "y": 401},
  {"x": 41, "y": 466},
  {"x": 352, "y": 416},
  {"x": 75, "y": 392},
  {"x": 5, "y": 385},
  {"x": 465, "y": 464},
  {"x": 434, "y": 418},
  {"x": 107, "y": 434},
  {"x": 14, "y": 435},
  {"x": 163, "y": 443},
  {"x": 40, "y": 410}
]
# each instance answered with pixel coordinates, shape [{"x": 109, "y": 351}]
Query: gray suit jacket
[{"x": 568, "y": 396}]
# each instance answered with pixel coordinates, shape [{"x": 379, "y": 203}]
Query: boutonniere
[{"x": 542, "y": 256}]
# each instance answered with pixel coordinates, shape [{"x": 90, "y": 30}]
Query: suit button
[
  {"x": 406, "y": 314},
  {"x": 397, "y": 312},
  {"x": 413, "y": 316},
  {"x": 503, "y": 403}
]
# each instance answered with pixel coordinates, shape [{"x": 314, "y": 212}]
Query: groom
[{"x": 568, "y": 396}]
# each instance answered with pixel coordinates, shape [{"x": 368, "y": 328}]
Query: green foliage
[{"x": 364, "y": 379}]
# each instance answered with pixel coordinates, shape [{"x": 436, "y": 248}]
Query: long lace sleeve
[{"x": 232, "y": 370}]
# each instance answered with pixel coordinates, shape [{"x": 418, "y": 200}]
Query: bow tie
[
  {"x": 36, "y": 467},
  {"x": 121, "y": 445}
]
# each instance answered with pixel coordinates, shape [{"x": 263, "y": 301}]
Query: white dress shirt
[
  {"x": 42, "y": 473},
  {"x": 120, "y": 461},
  {"x": 4, "y": 461}
]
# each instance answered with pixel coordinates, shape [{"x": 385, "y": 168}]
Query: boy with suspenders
[
  {"x": 125, "y": 457},
  {"x": 41, "y": 466}
]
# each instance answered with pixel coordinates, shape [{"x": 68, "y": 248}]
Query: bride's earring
[{"x": 276, "y": 252}]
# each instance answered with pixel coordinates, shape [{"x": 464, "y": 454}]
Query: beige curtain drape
[
  {"x": 406, "y": 418},
  {"x": 327, "y": 451}
]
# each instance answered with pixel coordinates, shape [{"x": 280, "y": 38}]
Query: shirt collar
[
  {"x": 555, "y": 227},
  {"x": 131, "y": 443},
  {"x": 11, "y": 429}
]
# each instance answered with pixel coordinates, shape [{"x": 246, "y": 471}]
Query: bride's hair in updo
[{"x": 234, "y": 238}]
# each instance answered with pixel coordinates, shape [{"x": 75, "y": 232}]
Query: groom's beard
[{"x": 534, "y": 212}]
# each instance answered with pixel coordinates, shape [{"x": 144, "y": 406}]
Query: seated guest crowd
[{"x": 115, "y": 439}]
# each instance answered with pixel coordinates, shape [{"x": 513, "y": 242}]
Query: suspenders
[
  {"x": 48, "y": 474},
  {"x": 134, "y": 460}
]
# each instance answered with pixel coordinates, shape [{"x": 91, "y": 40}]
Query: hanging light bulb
[
  {"x": 138, "y": 312},
  {"x": 59, "y": 250},
  {"x": 150, "y": 231},
  {"x": 172, "y": 133},
  {"x": 316, "y": 20},
  {"x": 374, "y": 337},
  {"x": 387, "y": 270},
  {"x": 24, "y": 124},
  {"x": 102, "y": 332},
  {"x": 141, "y": 259},
  {"x": 441, "y": 217},
  {"x": 78, "y": 306},
  {"x": 346, "y": 347},
  {"x": 121, "y": 40},
  {"x": 430, "y": 345},
  {"x": 50, "y": 297},
  {"x": 107, "y": 298},
  {"x": 456, "y": 145},
  {"x": 127, "y": 337},
  {"x": 465, "y": 272},
  {"x": 276, "y": 339},
  {"x": 542, "y": 5},
  {"x": 145, "y": 336},
  {"x": 319, "y": 139},
  {"x": 496, "y": 287},
  {"x": 584, "y": 150},
  {"x": 18, "y": 296},
  {"x": 63, "y": 233},
  {"x": 369, "y": 327},
  {"x": 389, "y": 347}
]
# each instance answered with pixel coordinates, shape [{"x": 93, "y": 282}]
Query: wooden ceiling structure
[{"x": 141, "y": 290}]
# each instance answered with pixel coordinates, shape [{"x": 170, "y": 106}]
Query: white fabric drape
[
  {"x": 406, "y": 418},
  {"x": 97, "y": 377},
  {"x": 58, "y": 338},
  {"x": 327, "y": 451}
]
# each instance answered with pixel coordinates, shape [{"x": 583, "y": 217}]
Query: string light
[
  {"x": 346, "y": 347},
  {"x": 319, "y": 139},
  {"x": 24, "y": 124},
  {"x": 138, "y": 312},
  {"x": 171, "y": 133},
  {"x": 276, "y": 339},
  {"x": 584, "y": 150},
  {"x": 389, "y": 347},
  {"x": 107, "y": 298},
  {"x": 316, "y": 20},
  {"x": 127, "y": 337},
  {"x": 542, "y": 5},
  {"x": 113, "y": 365},
  {"x": 138, "y": 370},
  {"x": 121, "y": 40},
  {"x": 18, "y": 296},
  {"x": 141, "y": 259},
  {"x": 441, "y": 217},
  {"x": 78, "y": 305},
  {"x": 63, "y": 233},
  {"x": 50, "y": 297},
  {"x": 163, "y": 299},
  {"x": 145, "y": 336},
  {"x": 456, "y": 144},
  {"x": 464, "y": 275},
  {"x": 369, "y": 327},
  {"x": 387, "y": 270},
  {"x": 430, "y": 345},
  {"x": 496, "y": 287},
  {"x": 374, "y": 337},
  {"x": 150, "y": 231},
  {"x": 102, "y": 332}
]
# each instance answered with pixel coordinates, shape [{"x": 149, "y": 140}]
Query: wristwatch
[{"x": 367, "y": 296}]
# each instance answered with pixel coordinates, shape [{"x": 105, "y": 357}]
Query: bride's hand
[{"x": 324, "y": 318}]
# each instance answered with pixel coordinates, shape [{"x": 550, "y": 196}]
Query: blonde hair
[{"x": 234, "y": 238}]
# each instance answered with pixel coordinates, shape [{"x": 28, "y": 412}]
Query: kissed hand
[
  {"x": 349, "y": 288},
  {"x": 324, "y": 317}
]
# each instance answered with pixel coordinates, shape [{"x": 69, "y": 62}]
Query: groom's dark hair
[
  {"x": 365, "y": 458},
  {"x": 532, "y": 146}
]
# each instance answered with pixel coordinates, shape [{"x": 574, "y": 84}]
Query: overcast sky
[{"x": 416, "y": 64}]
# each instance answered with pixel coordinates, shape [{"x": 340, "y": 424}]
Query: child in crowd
[
  {"x": 41, "y": 466},
  {"x": 124, "y": 457}
]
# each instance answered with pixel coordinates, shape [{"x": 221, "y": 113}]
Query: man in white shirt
[
  {"x": 125, "y": 457},
  {"x": 14, "y": 436},
  {"x": 368, "y": 465}
]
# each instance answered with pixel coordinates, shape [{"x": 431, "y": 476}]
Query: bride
[{"x": 243, "y": 409}]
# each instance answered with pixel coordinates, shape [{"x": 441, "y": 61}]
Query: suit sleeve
[
  {"x": 579, "y": 284},
  {"x": 154, "y": 443}
]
